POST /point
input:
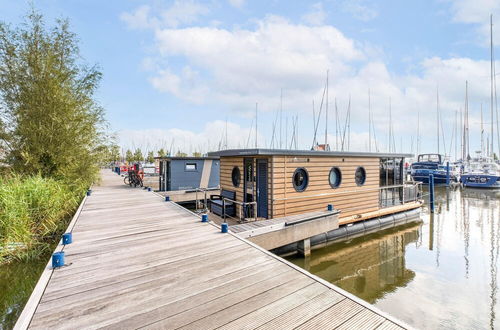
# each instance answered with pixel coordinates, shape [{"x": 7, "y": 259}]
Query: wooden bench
[{"x": 216, "y": 203}]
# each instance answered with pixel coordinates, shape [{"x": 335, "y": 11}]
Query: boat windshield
[{"x": 435, "y": 158}]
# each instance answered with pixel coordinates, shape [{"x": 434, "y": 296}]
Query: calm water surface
[
  {"x": 439, "y": 273},
  {"x": 17, "y": 280}
]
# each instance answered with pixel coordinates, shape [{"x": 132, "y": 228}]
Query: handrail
[
  {"x": 347, "y": 192},
  {"x": 239, "y": 203}
]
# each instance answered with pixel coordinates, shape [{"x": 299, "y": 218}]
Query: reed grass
[{"x": 33, "y": 210}]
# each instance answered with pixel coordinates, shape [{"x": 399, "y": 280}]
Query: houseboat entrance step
[{"x": 270, "y": 234}]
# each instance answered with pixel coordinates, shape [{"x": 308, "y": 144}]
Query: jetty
[{"x": 137, "y": 261}]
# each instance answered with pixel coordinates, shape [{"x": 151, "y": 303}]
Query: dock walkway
[{"x": 139, "y": 262}]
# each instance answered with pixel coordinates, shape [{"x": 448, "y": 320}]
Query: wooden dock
[{"x": 137, "y": 261}]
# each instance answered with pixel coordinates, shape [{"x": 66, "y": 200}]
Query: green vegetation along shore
[{"x": 53, "y": 135}]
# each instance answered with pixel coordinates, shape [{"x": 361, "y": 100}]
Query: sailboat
[
  {"x": 427, "y": 164},
  {"x": 482, "y": 171}
]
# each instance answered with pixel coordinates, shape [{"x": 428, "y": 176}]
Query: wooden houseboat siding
[{"x": 349, "y": 198}]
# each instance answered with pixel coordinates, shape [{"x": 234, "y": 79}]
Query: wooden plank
[{"x": 138, "y": 261}]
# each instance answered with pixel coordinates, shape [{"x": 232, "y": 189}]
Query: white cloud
[
  {"x": 234, "y": 68},
  {"x": 245, "y": 65},
  {"x": 181, "y": 12},
  {"x": 237, "y": 3},
  {"x": 478, "y": 12},
  {"x": 360, "y": 9},
  {"x": 139, "y": 19},
  {"x": 211, "y": 138},
  {"x": 316, "y": 16}
]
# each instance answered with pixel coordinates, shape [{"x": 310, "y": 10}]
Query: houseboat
[
  {"x": 268, "y": 184},
  {"x": 188, "y": 179}
]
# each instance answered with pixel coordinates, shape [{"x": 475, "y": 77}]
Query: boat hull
[
  {"x": 481, "y": 181},
  {"x": 423, "y": 176}
]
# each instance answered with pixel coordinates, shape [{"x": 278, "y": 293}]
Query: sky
[{"x": 189, "y": 75}]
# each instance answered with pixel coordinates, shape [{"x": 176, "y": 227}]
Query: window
[
  {"x": 360, "y": 176},
  {"x": 236, "y": 176},
  {"x": 300, "y": 179},
  {"x": 335, "y": 177},
  {"x": 190, "y": 167}
]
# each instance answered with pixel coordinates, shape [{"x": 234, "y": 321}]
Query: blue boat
[
  {"x": 482, "y": 173},
  {"x": 432, "y": 164}
]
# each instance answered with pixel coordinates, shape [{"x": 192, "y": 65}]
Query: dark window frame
[
  {"x": 339, "y": 173},
  {"x": 303, "y": 186},
  {"x": 235, "y": 170},
  {"x": 362, "y": 169},
  {"x": 186, "y": 169}
]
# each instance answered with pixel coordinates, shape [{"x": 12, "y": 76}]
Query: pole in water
[
  {"x": 447, "y": 174},
  {"x": 431, "y": 192}
]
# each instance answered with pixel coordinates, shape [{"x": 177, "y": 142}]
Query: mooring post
[
  {"x": 447, "y": 174},
  {"x": 304, "y": 247},
  {"x": 58, "y": 259},
  {"x": 67, "y": 238},
  {"x": 431, "y": 192}
]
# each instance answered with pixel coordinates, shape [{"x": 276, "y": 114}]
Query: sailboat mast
[
  {"x": 418, "y": 131},
  {"x": 369, "y": 123},
  {"x": 437, "y": 115},
  {"x": 281, "y": 117},
  {"x": 256, "y": 105},
  {"x": 336, "y": 126},
  {"x": 482, "y": 131},
  {"x": 326, "y": 114},
  {"x": 491, "y": 83},
  {"x": 390, "y": 125},
  {"x": 466, "y": 123}
]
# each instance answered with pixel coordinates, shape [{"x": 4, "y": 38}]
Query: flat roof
[
  {"x": 188, "y": 158},
  {"x": 312, "y": 153}
]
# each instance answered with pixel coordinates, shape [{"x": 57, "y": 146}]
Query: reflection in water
[
  {"x": 368, "y": 269},
  {"x": 450, "y": 281}
]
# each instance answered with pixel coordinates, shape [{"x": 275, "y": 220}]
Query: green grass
[{"x": 33, "y": 211}]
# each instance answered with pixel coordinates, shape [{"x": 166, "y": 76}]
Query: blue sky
[{"x": 175, "y": 71}]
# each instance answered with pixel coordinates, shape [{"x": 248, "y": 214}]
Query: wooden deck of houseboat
[{"x": 139, "y": 262}]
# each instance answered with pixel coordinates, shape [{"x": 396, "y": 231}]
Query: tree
[
  {"x": 115, "y": 153},
  {"x": 196, "y": 154},
  {"x": 50, "y": 122},
  {"x": 151, "y": 157},
  {"x": 129, "y": 156},
  {"x": 181, "y": 154},
  {"x": 162, "y": 153},
  {"x": 138, "y": 157}
]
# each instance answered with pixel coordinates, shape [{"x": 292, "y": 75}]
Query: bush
[{"x": 33, "y": 209}]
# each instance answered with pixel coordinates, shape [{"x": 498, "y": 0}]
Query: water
[
  {"x": 439, "y": 273},
  {"x": 17, "y": 280}
]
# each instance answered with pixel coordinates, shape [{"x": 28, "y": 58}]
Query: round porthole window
[
  {"x": 236, "y": 176},
  {"x": 360, "y": 176},
  {"x": 335, "y": 177},
  {"x": 300, "y": 179}
]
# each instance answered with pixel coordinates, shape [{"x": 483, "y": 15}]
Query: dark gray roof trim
[
  {"x": 312, "y": 153},
  {"x": 188, "y": 158}
]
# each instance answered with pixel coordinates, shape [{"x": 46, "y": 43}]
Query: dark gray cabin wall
[
  {"x": 182, "y": 179},
  {"x": 214, "y": 174}
]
